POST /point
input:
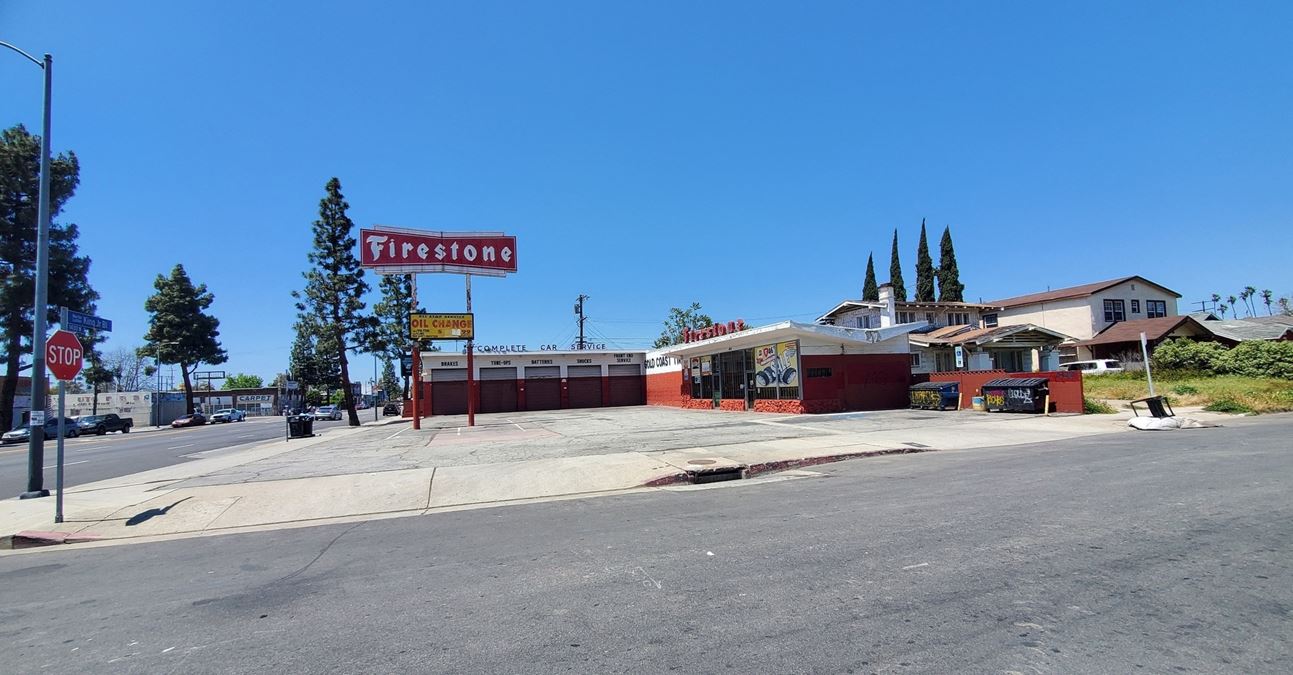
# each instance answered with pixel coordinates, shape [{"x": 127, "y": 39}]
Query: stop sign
[{"x": 63, "y": 355}]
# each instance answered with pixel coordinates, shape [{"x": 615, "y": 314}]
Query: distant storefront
[{"x": 508, "y": 381}]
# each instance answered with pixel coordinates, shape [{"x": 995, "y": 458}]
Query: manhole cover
[{"x": 701, "y": 462}]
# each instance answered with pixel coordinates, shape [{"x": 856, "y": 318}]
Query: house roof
[
  {"x": 786, "y": 330},
  {"x": 915, "y": 304},
  {"x": 847, "y": 305},
  {"x": 1154, "y": 329},
  {"x": 1072, "y": 292},
  {"x": 967, "y": 335},
  {"x": 1242, "y": 330}
]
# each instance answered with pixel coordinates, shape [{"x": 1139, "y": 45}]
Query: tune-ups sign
[
  {"x": 441, "y": 326},
  {"x": 397, "y": 251}
]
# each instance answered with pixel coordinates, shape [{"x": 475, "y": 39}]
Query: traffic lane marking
[
  {"x": 55, "y": 466},
  {"x": 177, "y": 447}
]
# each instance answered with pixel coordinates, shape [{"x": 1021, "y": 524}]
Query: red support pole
[
  {"x": 417, "y": 366},
  {"x": 471, "y": 367}
]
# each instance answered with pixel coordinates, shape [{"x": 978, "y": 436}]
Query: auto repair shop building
[
  {"x": 786, "y": 367},
  {"x": 544, "y": 380}
]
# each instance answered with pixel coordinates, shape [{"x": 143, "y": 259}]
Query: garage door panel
[
  {"x": 449, "y": 398},
  {"x": 584, "y": 392},
  {"x": 628, "y": 391},
  {"x": 543, "y": 394},
  {"x": 498, "y": 396}
]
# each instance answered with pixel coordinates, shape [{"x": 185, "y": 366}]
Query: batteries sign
[{"x": 441, "y": 326}]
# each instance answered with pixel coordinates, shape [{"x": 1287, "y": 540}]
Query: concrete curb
[
  {"x": 761, "y": 468},
  {"x": 34, "y": 539}
]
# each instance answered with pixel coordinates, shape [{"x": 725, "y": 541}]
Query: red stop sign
[{"x": 63, "y": 355}]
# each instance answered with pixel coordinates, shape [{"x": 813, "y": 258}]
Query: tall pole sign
[
  {"x": 65, "y": 358},
  {"x": 397, "y": 250}
]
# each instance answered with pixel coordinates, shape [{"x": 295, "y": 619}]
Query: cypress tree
[
  {"x": 870, "y": 292},
  {"x": 924, "y": 269},
  {"x": 179, "y": 330},
  {"x": 895, "y": 272},
  {"x": 950, "y": 288}
]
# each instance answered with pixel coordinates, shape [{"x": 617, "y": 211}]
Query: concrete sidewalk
[{"x": 284, "y": 484}]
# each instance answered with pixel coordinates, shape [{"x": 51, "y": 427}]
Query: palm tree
[
  {"x": 1266, "y": 298},
  {"x": 1216, "y": 300},
  {"x": 1221, "y": 309},
  {"x": 1247, "y": 294},
  {"x": 1232, "y": 300},
  {"x": 1284, "y": 306}
]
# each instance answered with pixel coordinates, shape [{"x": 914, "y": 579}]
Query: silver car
[{"x": 228, "y": 415}]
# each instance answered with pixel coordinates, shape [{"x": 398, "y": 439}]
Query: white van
[{"x": 1096, "y": 367}]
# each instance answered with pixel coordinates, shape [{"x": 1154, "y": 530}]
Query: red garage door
[
  {"x": 449, "y": 391},
  {"x": 584, "y": 386},
  {"x": 542, "y": 387},
  {"x": 497, "y": 390},
  {"x": 627, "y": 384}
]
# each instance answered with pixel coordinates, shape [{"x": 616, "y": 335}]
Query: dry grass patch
[{"x": 1221, "y": 392}]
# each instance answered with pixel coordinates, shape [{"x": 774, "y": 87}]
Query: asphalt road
[
  {"x": 1153, "y": 552},
  {"x": 92, "y": 458}
]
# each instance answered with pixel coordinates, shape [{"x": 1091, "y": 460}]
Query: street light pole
[{"x": 40, "y": 307}]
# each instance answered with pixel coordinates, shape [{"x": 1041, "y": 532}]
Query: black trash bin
[
  {"x": 300, "y": 426},
  {"x": 1016, "y": 394},
  {"x": 934, "y": 395}
]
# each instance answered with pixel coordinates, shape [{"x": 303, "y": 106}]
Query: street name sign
[
  {"x": 78, "y": 322},
  {"x": 63, "y": 355},
  {"x": 441, "y": 326}
]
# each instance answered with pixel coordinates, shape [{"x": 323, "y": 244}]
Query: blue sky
[{"x": 743, "y": 155}]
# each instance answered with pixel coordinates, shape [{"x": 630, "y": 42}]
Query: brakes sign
[{"x": 63, "y": 355}]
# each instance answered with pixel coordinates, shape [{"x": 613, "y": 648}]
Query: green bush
[
  {"x": 1255, "y": 358},
  {"x": 1188, "y": 355},
  {"x": 1259, "y": 358},
  {"x": 1185, "y": 390},
  {"x": 1227, "y": 405},
  {"x": 1091, "y": 406}
]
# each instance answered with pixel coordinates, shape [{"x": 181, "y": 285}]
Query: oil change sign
[{"x": 441, "y": 326}]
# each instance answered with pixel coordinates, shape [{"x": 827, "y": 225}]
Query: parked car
[
  {"x": 23, "y": 433},
  {"x": 102, "y": 424},
  {"x": 193, "y": 420},
  {"x": 1096, "y": 367},
  {"x": 327, "y": 412},
  {"x": 390, "y": 409},
  {"x": 228, "y": 415}
]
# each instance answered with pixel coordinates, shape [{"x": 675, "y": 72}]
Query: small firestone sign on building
[{"x": 389, "y": 250}]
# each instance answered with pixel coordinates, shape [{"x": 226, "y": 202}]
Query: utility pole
[{"x": 579, "y": 311}]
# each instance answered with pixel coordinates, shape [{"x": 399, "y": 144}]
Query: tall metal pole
[
  {"x": 157, "y": 395},
  {"x": 1144, "y": 350},
  {"x": 40, "y": 308},
  {"x": 471, "y": 364},
  {"x": 375, "y": 417}
]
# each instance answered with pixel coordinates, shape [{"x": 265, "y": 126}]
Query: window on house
[
  {"x": 989, "y": 320},
  {"x": 929, "y": 316},
  {"x": 958, "y": 318},
  {"x": 906, "y": 317},
  {"x": 1155, "y": 308},
  {"x": 915, "y": 359},
  {"x": 1115, "y": 310},
  {"x": 1135, "y": 307},
  {"x": 864, "y": 321},
  {"x": 819, "y": 372}
]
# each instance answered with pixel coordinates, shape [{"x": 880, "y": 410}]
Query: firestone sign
[
  {"x": 694, "y": 335},
  {"x": 397, "y": 251}
]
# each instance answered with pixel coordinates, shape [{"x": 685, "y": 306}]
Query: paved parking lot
[{"x": 514, "y": 437}]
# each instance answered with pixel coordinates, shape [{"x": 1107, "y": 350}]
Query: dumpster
[
  {"x": 1016, "y": 394},
  {"x": 300, "y": 426},
  {"x": 935, "y": 395}
]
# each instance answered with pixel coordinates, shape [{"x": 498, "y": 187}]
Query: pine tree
[
  {"x": 392, "y": 313},
  {"x": 895, "y": 272},
  {"x": 924, "y": 269},
  {"x": 870, "y": 292},
  {"x": 390, "y": 381},
  {"x": 179, "y": 330},
  {"x": 335, "y": 287},
  {"x": 69, "y": 285},
  {"x": 950, "y": 288}
]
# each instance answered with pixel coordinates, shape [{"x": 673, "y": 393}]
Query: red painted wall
[
  {"x": 1065, "y": 386},
  {"x": 857, "y": 382},
  {"x": 666, "y": 389}
]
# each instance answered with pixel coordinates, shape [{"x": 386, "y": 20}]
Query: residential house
[
  {"x": 1233, "y": 331},
  {"x": 949, "y": 327},
  {"x": 1122, "y": 340},
  {"x": 1082, "y": 312}
]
